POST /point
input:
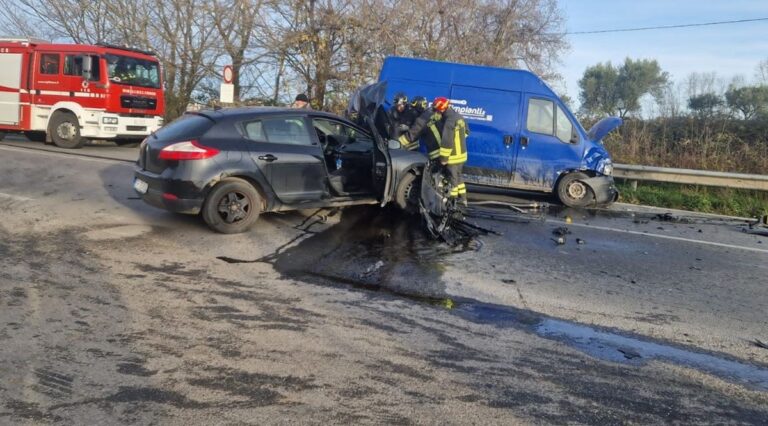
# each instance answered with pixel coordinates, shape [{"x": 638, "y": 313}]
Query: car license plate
[{"x": 140, "y": 186}]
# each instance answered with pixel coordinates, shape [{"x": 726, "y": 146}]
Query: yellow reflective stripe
[
  {"x": 412, "y": 146},
  {"x": 435, "y": 133},
  {"x": 404, "y": 140},
  {"x": 434, "y": 154},
  {"x": 457, "y": 159},
  {"x": 444, "y": 152},
  {"x": 457, "y": 136}
]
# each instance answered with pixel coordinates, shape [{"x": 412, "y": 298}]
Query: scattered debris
[
  {"x": 629, "y": 353},
  {"x": 559, "y": 240},
  {"x": 561, "y": 231},
  {"x": 579, "y": 241},
  {"x": 373, "y": 268},
  {"x": 665, "y": 217},
  {"x": 759, "y": 344},
  {"x": 508, "y": 281},
  {"x": 568, "y": 220}
]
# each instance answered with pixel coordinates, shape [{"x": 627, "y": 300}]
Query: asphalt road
[{"x": 116, "y": 312}]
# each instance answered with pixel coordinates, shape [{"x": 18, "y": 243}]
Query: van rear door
[
  {"x": 548, "y": 146},
  {"x": 493, "y": 117}
]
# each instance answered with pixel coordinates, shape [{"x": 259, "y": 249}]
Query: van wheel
[
  {"x": 65, "y": 130},
  {"x": 232, "y": 206},
  {"x": 408, "y": 193},
  {"x": 573, "y": 192}
]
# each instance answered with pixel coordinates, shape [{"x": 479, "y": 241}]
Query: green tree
[
  {"x": 704, "y": 105},
  {"x": 598, "y": 93},
  {"x": 749, "y": 101},
  {"x": 606, "y": 89}
]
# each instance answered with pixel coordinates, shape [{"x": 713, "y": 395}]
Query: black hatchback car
[{"x": 230, "y": 165}]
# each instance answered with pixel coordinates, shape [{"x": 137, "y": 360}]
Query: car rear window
[{"x": 188, "y": 126}]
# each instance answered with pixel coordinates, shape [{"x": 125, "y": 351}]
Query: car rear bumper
[
  {"x": 604, "y": 189},
  {"x": 160, "y": 193}
]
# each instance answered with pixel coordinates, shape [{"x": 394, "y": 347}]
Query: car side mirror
[
  {"x": 574, "y": 136},
  {"x": 393, "y": 144},
  {"x": 87, "y": 67}
]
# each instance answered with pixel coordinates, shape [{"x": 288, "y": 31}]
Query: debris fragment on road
[{"x": 760, "y": 344}]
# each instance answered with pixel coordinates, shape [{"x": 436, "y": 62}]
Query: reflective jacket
[
  {"x": 425, "y": 128},
  {"x": 453, "y": 142}
]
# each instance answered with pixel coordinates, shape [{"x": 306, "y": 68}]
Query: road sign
[
  {"x": 227, "y": 93},
  {"x": 228, "y": 74}
]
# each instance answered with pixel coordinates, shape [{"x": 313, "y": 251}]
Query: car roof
[{"x": 250, "y": 112}]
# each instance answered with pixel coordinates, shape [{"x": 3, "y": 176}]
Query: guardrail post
[{"x": 633, "y": 185}]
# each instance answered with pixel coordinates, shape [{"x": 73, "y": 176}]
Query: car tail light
[{"x": 187, "y": 150}]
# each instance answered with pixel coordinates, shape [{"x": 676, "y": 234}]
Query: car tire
[
  {"x": 232, "y": 206},
  {"x": 573, "y": 192},
  {"x": 35, "y": 136},
  {"x": 65, "y": 130},
  {"x": 408, "y": 192}
]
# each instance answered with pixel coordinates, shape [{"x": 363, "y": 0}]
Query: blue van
[{"x": 522, "y": 136}]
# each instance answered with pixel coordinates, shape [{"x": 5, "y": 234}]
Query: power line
[{"x": 664, "y": 27}]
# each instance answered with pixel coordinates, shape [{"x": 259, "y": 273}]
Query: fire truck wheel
[{"x": 65, "y": 130}]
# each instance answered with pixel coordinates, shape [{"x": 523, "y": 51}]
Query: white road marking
[
  {"x": 15, "y": 197},
  {"x": 666, "y": 237},
  {"x": 64, "y": 155}
]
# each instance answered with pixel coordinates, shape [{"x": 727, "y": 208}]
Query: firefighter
[
  {"x": 401, "y": 116},
  {"x": 425, "y": 128},
  {"x": 453, "y": 146},
  {"x": 419, "y": 104}
]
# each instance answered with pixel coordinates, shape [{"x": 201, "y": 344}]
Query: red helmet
[{"x": 440, "y": 104}]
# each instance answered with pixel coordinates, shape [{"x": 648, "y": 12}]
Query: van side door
[
  {"x": 493, "y": 117},
  {"x": 548, "y": 145}
]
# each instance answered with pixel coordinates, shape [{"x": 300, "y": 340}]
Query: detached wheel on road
[
  {"x": 573, "y": 192},
  {"x": 232, "y": 206},
  {"x": 65, "y": 130},
  {"x": 408, "y": 193}
]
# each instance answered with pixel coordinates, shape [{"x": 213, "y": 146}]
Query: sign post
[{"x": 227, "y": 92}]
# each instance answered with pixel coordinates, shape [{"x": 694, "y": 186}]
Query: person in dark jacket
[
  {"x": 401, "y": 116},
  {"x": 424, "y": 129}
]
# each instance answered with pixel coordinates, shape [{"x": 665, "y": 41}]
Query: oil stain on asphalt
[{"x": 382, "y": 251}]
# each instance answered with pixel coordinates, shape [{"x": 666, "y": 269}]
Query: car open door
[{"x": 366, "y": 110}]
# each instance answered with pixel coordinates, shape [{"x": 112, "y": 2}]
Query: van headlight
[
  {"x": 607, "y": 168},
  {"x": 109, "y": 120}
]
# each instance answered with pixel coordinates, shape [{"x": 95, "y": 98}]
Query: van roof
[{"x": 400, "y": 68}]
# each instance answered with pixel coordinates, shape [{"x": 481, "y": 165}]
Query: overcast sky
[{"x": 726, "y": 49}]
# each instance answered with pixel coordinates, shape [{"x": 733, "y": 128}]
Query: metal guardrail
[{"x": 690, "y": 177}]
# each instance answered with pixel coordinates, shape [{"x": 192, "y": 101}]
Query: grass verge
[{"x": 726, "y": 201}]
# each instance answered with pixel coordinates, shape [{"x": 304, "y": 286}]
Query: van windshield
[{"x": 133, "y": 71}]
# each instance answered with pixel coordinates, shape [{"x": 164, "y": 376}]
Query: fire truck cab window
[
  {"x": 73, "y": 65},
  {"x": 133, "y": 71},
  {"x": 49, "y": 63}
]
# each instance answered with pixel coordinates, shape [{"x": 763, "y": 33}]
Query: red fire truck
[{"x": 68, "y": 93}]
